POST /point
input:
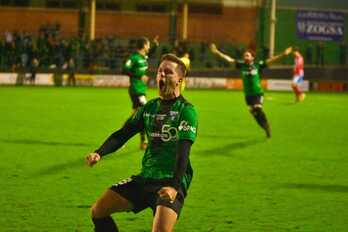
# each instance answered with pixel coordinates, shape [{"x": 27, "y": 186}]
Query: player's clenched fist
[{"x": 92, "y": 159}]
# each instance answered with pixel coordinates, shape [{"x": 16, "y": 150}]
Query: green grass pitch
[{"x": 296, "y": 181}]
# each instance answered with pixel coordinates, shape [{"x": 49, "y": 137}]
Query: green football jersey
[
  {"x": 165, "y": 122},
  {"x": 136, "y": 66},
  {"x": 251, "y": 76}
]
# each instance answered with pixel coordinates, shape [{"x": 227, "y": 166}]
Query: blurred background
[
  {"x": 296, "y": 181},
  {"x": 98, "y": 34}
]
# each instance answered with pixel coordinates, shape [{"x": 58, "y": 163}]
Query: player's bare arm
[
  {"x": 222, "y": 55},
  {"x": 277, "y": 57}
]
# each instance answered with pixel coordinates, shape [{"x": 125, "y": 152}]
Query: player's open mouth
[
  {"x": 167, "y": 87},
  {"x": 161, "y": 84}
]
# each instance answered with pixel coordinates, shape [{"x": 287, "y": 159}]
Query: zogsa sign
[{"x": 320, "y": 25}]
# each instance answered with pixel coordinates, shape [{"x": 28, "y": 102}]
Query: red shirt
[{"x": 299, "y": 64}]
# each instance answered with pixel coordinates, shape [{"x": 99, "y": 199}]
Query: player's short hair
[
  {"x": 140, "y": 43},
  {"x": 251, "y": 51},
  {"x": 173, "y": 58}
]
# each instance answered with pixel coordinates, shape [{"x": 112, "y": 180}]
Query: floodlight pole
[
  {"x": 273, "y": 22},
  {"x": 185, "y": 10},
  {"x": 172, "y": 22},
  {"x": 92, "y": 12}
]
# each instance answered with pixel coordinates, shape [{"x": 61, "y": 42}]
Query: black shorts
[
  {"x": 142, "y": 193},
  {"x": 254, "y": 100},
  {"x": 138, "y": 100}
]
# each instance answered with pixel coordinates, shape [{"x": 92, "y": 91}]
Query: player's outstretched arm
[
  {"x": 217, "y": 52},
  {"x": 115, "y": 141},
  {"x": 277, "y": 57}
]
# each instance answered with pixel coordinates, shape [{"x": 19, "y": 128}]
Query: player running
[
  {"x": 298, "y": 74},
  {"x": 136, "y": 67},
  {"x": 170, "y": 123},
  {"x": 250, "y": 73}
]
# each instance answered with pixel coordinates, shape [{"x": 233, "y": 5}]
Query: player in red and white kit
[{"x": 298, "y": 74}]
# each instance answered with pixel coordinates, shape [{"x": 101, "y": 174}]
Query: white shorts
[{"x": 297, "y": 79}]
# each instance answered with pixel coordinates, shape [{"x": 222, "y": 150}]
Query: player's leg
[
  {"x": 255, "y": 108},
  {"x": 166, "y": 213},
  {"x": 164, "y": 220},
  {"x": 110, "y": 202},
  {"x": 261, "y": 119},
  {"x": 296, "y": 88},
  {"x": 121, "y": 197}
]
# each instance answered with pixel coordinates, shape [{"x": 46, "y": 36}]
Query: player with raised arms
[
  {"x": 170, "y": 123},
  {"x": 251, "y": 76}
]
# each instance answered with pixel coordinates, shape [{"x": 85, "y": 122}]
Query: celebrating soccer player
[
  {"x": 250, "y": 73},
  {"x": 298, "y": 74},
  {"x": 170, "y": 123},
  {"x": 136, "y": 67}
]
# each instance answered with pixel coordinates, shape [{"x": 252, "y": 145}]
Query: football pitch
[{"x": 295, "y": 181}]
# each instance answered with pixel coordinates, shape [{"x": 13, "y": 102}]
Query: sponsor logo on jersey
[
  {"x": 184, "y": 126},
  {"x": 167, "y": 133},
  {"x": 251, "y": 72}
]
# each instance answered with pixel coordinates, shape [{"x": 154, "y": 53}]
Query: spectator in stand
[
  {"x": 33, "y": 70},
  {"x": 71, "y": 69}
]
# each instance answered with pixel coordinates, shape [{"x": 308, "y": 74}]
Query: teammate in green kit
[
  {"x": 136, "y": 67},
  {"x": 250, "y": 73},
  {"x": 170, "y": 123}
]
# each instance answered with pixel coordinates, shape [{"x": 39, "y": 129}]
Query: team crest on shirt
[{"x": 173, "y": 114}]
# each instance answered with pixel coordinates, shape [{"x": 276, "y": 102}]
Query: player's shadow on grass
[
  {"x": 317, "y": 187},
  {"x": 74, "y": 164},
  {"x": 291, "y": 103},
  {"x": 39, "y": 142},
  {"x": 230, "y": 147},
  {"x": 60, "y": 168}
]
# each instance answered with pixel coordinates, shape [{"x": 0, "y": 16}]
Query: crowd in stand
[{"x": 48, "y": 49}]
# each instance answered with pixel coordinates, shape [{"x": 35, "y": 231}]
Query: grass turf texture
[{"x": 296, "y": 181}]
